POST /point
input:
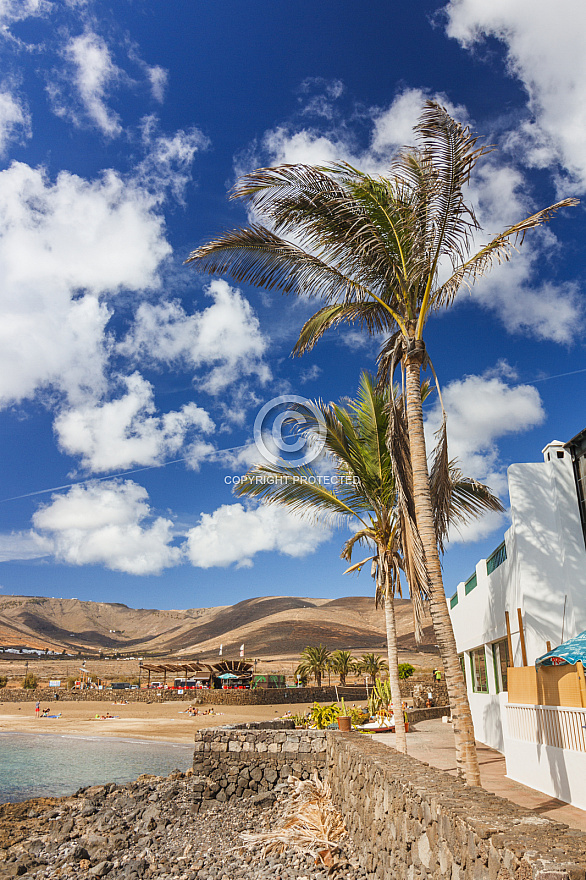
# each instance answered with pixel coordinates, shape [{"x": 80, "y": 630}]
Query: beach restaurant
[{"x": 226, "y": 674}]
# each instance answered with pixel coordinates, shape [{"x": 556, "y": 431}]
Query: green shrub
[
  {"x": 30, "y": 681},
  {"x": 406, "y": 670},
  {"x": 3, "y": 681},
  {"x": 322, "y": 716}
]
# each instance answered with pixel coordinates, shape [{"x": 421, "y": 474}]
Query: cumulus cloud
[
  {"x": 234, "y": 534},
  {"x": 543, "y": 309},
  {"x": 63, "y": 246},
  {"x": 15, "y": 122},
  {"x": 126, "y": 432},
  {"x": 481, "y": 409},
  {"x": 91, "y": 73},
  {"x": 225, "y": 338},
  {"x": 108, "y": 524},
  {"x": 545, "y": 51}
]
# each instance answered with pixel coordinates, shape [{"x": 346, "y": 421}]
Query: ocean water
[{"x": 50, "y": 765}]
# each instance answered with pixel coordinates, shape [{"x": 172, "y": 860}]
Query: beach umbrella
[
  {"x": 227, "y": 675},
  {"x": 572, "y": 651}
]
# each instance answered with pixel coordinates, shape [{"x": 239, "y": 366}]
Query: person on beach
[{"x": 37, "y": 709}]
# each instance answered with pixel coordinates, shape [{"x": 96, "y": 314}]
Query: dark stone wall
[
  {"x": 246, "y": 760},
  {"x": 413, "y": 822}
]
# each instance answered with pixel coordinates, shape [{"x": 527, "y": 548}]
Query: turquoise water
[{"x": 49, "y": 765}]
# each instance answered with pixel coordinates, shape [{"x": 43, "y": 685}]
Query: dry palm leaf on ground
[{"x": 309, "y": 823}]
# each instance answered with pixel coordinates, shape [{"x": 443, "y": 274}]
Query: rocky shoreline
[{"x": 153, "y": 827}]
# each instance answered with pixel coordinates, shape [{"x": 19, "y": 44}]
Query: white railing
[{"x": 548, "y": 725}]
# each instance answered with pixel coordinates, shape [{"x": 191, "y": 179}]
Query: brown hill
[{"x": 278, "y": 625}]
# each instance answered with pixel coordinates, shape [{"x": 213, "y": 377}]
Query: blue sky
[{"x": 129, "y": 385}]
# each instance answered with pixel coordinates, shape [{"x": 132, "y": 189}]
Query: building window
[
  {"x": 500, "y": 653},
  {"x": 462, "y": 664},
  {"x": 497, "y": 558},
  {"x": 470, "y": 584},
  {"x": 454, "y": 600},
  {"x": 478, "y": 666}
]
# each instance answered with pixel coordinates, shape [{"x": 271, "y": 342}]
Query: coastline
[{"x": 158, "y": 722}]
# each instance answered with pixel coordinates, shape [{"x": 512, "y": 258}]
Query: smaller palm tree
[
  {"x": 314, "y": 662},
  {"x": 373, "y": 665},
  {"x": 343, "y": 664}
]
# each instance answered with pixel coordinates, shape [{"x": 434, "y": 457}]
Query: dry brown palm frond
[{"x": 310, "y": 823}]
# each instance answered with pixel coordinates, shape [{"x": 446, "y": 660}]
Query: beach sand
[{"x": 157, "y": 721}]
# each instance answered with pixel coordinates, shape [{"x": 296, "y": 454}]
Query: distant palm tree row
[
  {"x": 317, "y": 661},
  {"x": 383, "y": 253}
]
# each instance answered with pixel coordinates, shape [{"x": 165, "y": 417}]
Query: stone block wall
[
  {"x": 244, "y": 761},
  {"x": 413, "y": 822}
]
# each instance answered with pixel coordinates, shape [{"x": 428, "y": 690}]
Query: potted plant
[{"x": 344, "y": 718}]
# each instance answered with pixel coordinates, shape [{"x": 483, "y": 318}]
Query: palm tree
[
  {"x": 314, "y": 661},
  {"x": 376, "y": 250},
  {"x": 364, "y": 493},
  {"x": 342, "y": 663},
  {"x": 373, "y": 665}
]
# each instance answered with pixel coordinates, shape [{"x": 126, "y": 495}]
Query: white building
[{"x": 539, "y": 569}]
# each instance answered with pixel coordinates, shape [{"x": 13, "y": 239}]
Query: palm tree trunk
[
  {"x": 462, "y": 717},
  {"x": 393, "y": 654}
]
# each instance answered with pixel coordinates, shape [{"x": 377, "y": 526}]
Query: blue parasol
[
  {"x": 572, "y": 651},
  {"x": 228, "y": 675}
]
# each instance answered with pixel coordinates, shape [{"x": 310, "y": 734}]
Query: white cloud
[
  {"x": 108, "y": 524},
  {"x": 482, "y": 409},
  {"x": 310, "y": 374},
  {"x": 126, "y": 432},
  {"x": 225, "y": 338},
  {"x": 167, "y": 165},
  {"x": 541, "y": 309},
  {"x": 63, "y": 246},
  {"x": 18, "y": 10},
  {"x": 91, "y": 73},
  {"x": 545, "y": 49},
  {"x": 23, "y": 545},
  {"x": 158, "y": 78},
  {"x": 15, "y": 120},
  {"x": 234, "y": 534}
]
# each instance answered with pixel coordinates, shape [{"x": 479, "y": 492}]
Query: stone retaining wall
[
  {"x": 246, "y": 760},
  {"x": 257, "y": 697},
  {"x": 413, "y": 822}
]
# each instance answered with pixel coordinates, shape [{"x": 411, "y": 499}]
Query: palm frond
[
  {"x": 297, "y": 489},
  {"x": 499, "y": 250},
  {"x": 367, "y": 315},
  {"x": 255, "y": 255}
]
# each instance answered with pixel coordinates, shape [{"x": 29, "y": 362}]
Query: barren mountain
[{"x": 279, "y": 625}]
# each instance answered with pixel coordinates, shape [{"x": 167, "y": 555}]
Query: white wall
[
  {"x": 546, "y": 561},
  {"x": 559, "y": 773}
]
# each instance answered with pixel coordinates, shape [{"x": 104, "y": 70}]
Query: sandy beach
[{"x": 157, "y": 721}]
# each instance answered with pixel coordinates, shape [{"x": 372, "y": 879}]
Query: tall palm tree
[
  {"x": 314, "y": 661},
  {"x": 342, "y": 663},
  {"x": 377, "y": 251},
  {"x": 364, "y": 493}
]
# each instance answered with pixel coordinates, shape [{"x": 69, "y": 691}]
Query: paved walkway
[{"x": 433, "y": 742}]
